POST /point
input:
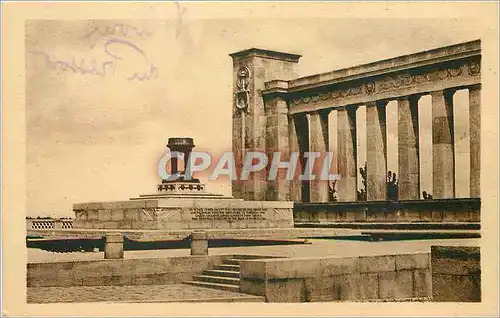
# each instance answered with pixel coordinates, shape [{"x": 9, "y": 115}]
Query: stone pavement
[
  {"x": 136, "y": 293},
  {"x": 318, "y": 247}
]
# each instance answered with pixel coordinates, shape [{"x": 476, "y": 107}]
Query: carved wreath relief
[
  {"x": 242, "y": 95},
  {"x": 392, "y": 82}
]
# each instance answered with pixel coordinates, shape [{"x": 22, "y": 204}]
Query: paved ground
[
  {"x": 137, "y": 293},
  {"x": 340, "y": 248},
  {"x": 187, "y": 293}
]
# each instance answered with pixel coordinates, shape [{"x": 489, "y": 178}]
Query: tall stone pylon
[{"x": 252, "y": 68}]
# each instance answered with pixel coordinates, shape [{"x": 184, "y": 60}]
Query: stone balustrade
[{"x": 46, "y": 224}]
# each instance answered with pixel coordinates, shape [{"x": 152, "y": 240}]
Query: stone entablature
[{"x": 456, "y": 66}]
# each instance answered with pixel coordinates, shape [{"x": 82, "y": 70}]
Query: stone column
[
  {"x": 301, "y": 122},
  {"x": 293, "y": 140},
  {"x": 318, "y": 136},
  {"x": 376, "y": 156},
  {"x": 408, "y": 149},
  {"x": 277, "y": 134},
  {"x": 443, "y": 156},
  {"x": 475, "y": 140},
  {"x": 199, "y": 243},
  {"x": 113, "y": 246},
  {"x": 346, "y": 162}
]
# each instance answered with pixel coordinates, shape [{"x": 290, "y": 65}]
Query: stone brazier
[{"x": 183, "y": 205}]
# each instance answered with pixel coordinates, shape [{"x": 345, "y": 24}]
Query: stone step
[
  {"x": 227, "y": 287},
  {"x": 225, "y": 267},
  {"x": 231, "y": 261},
  {"x": 217, "y": 279},
  {"x": 215, "y": 272}
]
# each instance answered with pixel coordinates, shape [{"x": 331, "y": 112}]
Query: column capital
[
  {"x": 474, "y": 87},
  {"x": 445, "y": 93},
  {"x": 414, "y": 97},
  {"x": 378, "y": 103},
  {"x": 347, "y": 107}
]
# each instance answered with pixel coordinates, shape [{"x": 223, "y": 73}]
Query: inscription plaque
[{"x": 228, "y": 214}]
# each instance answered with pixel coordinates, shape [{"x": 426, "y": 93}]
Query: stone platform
[
  {"x": 175, "y": 235},
  {"x": 171, "y": 212}
]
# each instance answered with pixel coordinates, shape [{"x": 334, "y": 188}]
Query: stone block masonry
[
  {"x": 150, "y": 271},
  {"x": 113, "y": 246},
  {"x": 389, "y": 277},
  {"x": 456, "y": 273},
  {"x": 438, "y": 210},
  {"x": 183, "y": 214}
]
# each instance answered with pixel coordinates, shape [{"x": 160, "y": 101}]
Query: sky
[{"x": 96, "y": 127}]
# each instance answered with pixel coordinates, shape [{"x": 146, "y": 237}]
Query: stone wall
[
  {"x": 439, "y": 210},
  {"x": 456, "y": 273},
  {"x": 152, "y": 271},
  {"x": 330, "y": 278}
]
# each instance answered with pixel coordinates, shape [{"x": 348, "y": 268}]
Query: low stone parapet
[
  {"x": 150, "y": 271},
  {"x": 338, "y": 279}
]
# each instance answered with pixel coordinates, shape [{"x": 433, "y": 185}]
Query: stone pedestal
[
  {"x": 113, "y": 246},
  {"x": 199, "y": 243},
  {"x": 183, "y": 212}
]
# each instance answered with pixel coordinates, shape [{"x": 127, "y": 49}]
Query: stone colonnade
[
  {"x": 408, "y": 148},
  {"x": 274, "y": 110}
]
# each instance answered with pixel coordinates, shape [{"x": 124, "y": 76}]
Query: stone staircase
[{"x": 225, "y": 276}]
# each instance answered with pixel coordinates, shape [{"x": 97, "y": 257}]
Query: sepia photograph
[{"x": 328, "y": 154}]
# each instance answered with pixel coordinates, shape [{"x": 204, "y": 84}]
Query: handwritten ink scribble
[
  {"x": 180, "y": 13},
  {"x": 114, "y": 30},
  {"x": 116, "y": 49}
]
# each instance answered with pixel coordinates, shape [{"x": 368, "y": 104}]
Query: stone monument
[{"x": 182, "y": 204}]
